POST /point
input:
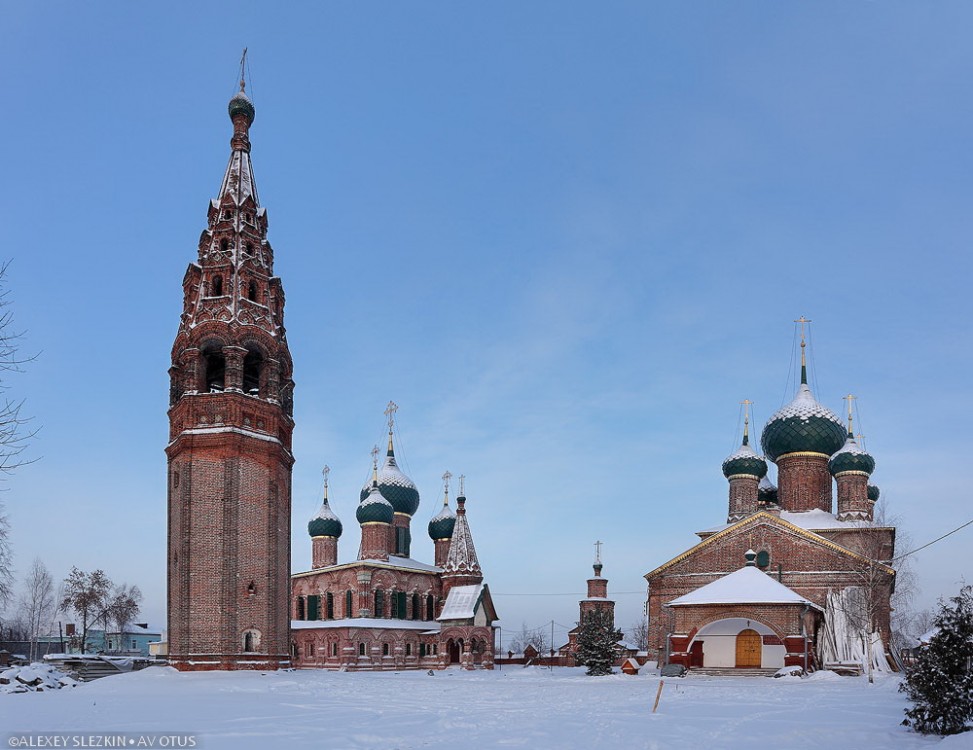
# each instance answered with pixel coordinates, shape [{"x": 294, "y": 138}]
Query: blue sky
[{"x": 566, "y": 238}]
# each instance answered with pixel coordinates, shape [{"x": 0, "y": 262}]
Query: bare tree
[
  {"x": 638, "y": 634},
  {"x": 123, "y": 608},
  {"x": 14, "y": 432},
  {"x": 537, "y": 637},
  {"x": 88, "y": 595},
  {"x": 37, "y": 602}
]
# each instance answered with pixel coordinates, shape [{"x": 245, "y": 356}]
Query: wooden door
[{"x": 748, "y": 649}]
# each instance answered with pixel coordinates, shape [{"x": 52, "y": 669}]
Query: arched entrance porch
[{"x": 737, "y": 643}]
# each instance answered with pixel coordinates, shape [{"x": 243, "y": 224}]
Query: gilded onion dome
[
  {"x": 324, "y": 522},
  {"x": 873, "y": 493},
  {"x": 442, "y": 524},
  {"x": 767, "y": 491},
  {"x": 395, "y": 486}
]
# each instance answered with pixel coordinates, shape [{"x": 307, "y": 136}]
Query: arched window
[
  {"x": 348, "y": 604},
  {"x": 408, "y": 649},
  {"x": 385, "y": 649},
  {"x": 330, "y": 606},
  {"x": 252, "y": 291},
  {"x": 361, "y": 649},
  {"x": 217, "y": 286},
  {"x": 248, "y": 642},
  {"x": 763, "y": 559},
  {"x": 224, "y": 245},
  {"x": 300, "y": 608},
  {"x": 334, "y": 648},
  {"x": 379, "y": 603},
  {"x": 430, "y": 608},
  {"x": 415, "y": 606}
]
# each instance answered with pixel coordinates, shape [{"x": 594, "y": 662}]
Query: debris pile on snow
[
  {"x": 35, "y": 678},
  {"x": 792, "y": 671}
]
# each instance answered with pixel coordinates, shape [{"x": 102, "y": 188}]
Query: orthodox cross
[
  {"x": 746, "y": 416},
  {"x": 375, "y": 458},
  {"x": 325, "y": 471},
  {"x": 446, "y": 477},
  {"x": 243, "y": 62},
  {"x": 462, "y": 485},
  {"x": 598, "y": 551},
  {"x": 849, "y": 398},
  {"x": 802, "y": 320},
  {"x": 390, "y": 413}
]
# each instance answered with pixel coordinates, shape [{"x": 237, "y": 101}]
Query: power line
[{"x": 948, "y": 533}]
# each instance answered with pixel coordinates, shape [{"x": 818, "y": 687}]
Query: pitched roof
[
  {"x": 769, "y": 519},
  {"x": 748, "y": 585}
]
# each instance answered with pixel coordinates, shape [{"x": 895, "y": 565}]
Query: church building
[
  {"x": 387, "y": 610},
  {"x": 789, "y": 579},
  {"x": 232, "y": 603}
]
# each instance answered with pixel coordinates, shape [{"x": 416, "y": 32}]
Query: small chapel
[
  {"x": 792, "y": 578},
  {"x": 232, "y": 602}
]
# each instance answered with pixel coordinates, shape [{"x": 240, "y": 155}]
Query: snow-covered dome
[
  {"x": 441, "y": 525},
  {"x": 802, "y": 425},
  {"x": 324, "y": 522},
  {"x": 873, "y": 493},
  {"x": 374, "y": 508},
  {"x": 395, "y": 486},
  {"x": 851, "y": 458},
  {"x": 744, "y": 461},
  {"x": 241, "y": 104},
  {"x": 767, "y": 491}
]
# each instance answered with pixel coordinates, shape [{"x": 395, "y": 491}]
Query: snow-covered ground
[{"x": 516, "y": 707}]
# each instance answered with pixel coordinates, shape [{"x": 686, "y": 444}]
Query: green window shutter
[
  {"x": 403, "y": 610},
  {"x": 348, "y": 604},
  {"x": 313, "y": 605},
  {"x": 330, "y": 601},
  {"x": 379, "y": 604},
  {"x": 395, "y": 605}
]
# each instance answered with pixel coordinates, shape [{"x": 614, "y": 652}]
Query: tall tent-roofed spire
[{"x": 462, "y": 566}]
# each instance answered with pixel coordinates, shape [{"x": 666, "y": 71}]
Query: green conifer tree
[
  {"x": 940, "y": 683},
  {"x": 597, "y": 643}
]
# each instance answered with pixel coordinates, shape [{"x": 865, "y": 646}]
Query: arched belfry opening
[
  {"x": 253, "y": 365},
  {"x": 214, "y": 368}
]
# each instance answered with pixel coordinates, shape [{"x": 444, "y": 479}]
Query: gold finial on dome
[{"x": 746, "y": 420}]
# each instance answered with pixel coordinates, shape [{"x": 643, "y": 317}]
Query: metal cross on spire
[
  {"x": 746, "y": 418},
  {"x": 802, "y": 320},
  {"x": 325, "y": 472},
  {"x": 598, "y": 552},
  {"x": 849, "y": 398},
  {"x": 462, "y": 485},
  {"x": 375, "y": 457},
  {"x": 390, "y": 413},
  {"x": 243, "y": 63},
  {"x": 446, "y": 477}
]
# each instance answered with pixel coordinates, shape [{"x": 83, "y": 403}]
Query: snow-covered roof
[
  {"x": 811, "y": 520},
  {"x": 804, "y": 406},
  {"x": 403, "y": 562},
  {"x": 366, "y": 622},
  {"x": 851, "y": 446},
  {"x": 748, "y": 585},
  {"x": 744, "y": 451},
  {"x": 461, "y": 602},
  {"x": 325, "y": 513}
]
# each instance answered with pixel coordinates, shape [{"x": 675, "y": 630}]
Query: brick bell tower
[{"x": 230, "y": 426}]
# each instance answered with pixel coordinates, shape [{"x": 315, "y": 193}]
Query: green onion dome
[
  {"x": 873, "y": 493},
  {"x": 374, "y": 508},
  {"x": 767, "y": 492},
  {"x": 851, "y": 458},
  {"x": 240, "y": 104},
  {"x": 745, "y": 461},
  {"x": 441, "y": 525},
  {"x": 395, "y": 486},
  {"x": 324, "y": 522},
  {"x": 802, "y": 425}
]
